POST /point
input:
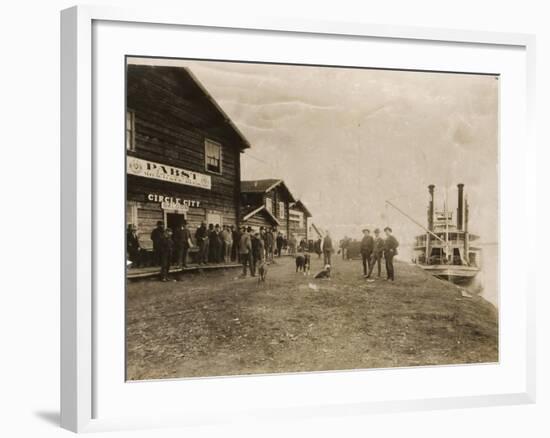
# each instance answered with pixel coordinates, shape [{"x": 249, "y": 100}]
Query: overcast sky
[{"x": 346, "y": 140}]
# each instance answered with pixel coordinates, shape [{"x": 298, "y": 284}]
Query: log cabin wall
[{"x": 172, "y": 117}]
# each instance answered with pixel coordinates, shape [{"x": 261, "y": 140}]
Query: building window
[
  {"x": 130, "y": 130},
  {"x": 213, "y": 154},
  {"x": 281, "y": 210},
  {"x": 269, "y": 204}
]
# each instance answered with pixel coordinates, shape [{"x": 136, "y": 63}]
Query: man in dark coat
[
  {"x": 367, "y": 246},
  {"x": 269, "y": 244},
  {"x": 156, "y": 236},
  {"x": 133, "y": 247},
  {"x": 201, "y": 237},
  {"x": 182, "y": 243},
  {"x": 390, "y": 250},
  {"x": 280, "y": 242},
  {"x": 165, "y": 247},
  {"x": 377, "y": 253}
]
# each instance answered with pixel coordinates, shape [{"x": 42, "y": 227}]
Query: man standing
[
  {"x": 212, "y": 244},
  {"x": 390, "y": 250},
  {"x": 165, "y": 246},
  {"x": 245, "y": 250},
  {"x": 227, "y": 237},
  {"x": 133, "y": 247},
  {"x": 345, "y": 245},
  {"x": 156, "y": 236},
  {"x": 201, "y": 237},
  {"x": 280, "y": 242},
  {"x": 235, "y": 236},
  {"x": 269, "y": 242},
  {"x": 377, "y": 253},
  {"x": 327, "y": 249},
  {"x": 257, "y": 252},
  {"x": 367, "y": 245},
  {"x": 182, "y": 243}
]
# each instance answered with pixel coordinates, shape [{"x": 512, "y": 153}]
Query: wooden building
[
  {"x": 183, "y": 153},
  {"x": 266, "y": 202},
  {"x": 299, "y": 217}
]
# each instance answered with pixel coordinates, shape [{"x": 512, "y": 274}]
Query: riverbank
[{"x": 221, "y": 324}]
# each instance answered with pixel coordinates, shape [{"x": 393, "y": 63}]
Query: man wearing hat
[
  {"x": 367, "y": 245},
  {"x": 245, "y": 250},
  {"x": 182, "y": 243},
  {"x": 390, "y": 250},
  {"x": 156, "y": 236},
  {"x": 377, "y": 253}
]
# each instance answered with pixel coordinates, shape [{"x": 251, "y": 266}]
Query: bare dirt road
[{"x": 219, "y": 324}]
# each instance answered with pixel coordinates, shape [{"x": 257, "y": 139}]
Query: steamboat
[{"x": 447, "y": 249}]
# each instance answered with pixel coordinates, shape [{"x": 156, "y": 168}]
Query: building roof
[
  {"x": 264, "y": 186},
  {"x": 299, "y": 205},
  {"x": 251, "y": 211},
  {"x": 190, "y": 88}
]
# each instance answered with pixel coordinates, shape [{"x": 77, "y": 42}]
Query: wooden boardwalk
[{"x": 151, "y": 271}]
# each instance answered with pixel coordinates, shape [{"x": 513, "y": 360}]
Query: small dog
[
  {"x": 303, "y": 263},
  {"x": 262, "y": 270},
  {"x": 325, "y": 273}
]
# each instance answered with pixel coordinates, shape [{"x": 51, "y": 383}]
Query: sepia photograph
[{"x": 285, "y": 218}]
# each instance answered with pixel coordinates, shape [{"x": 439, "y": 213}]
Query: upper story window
[
  {"x": 281, "y": 210},
  {"x": 213, "y": 156},
  {"x": 269, "y": 204},
  {"x": 130, "y": 130}
]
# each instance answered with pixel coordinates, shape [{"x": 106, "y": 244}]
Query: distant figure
[
  {"x": 227, "y": 237},
  {"x": 325, "y": 273},
  {"x": 235, "y": 236},
  {"x": 292, "y": 242},
  {"x": 166, "y": 246},
  {"x": 367, "y": 246},
  {"x": 327, "y": 249},
  {"x": 133, "y": 247},
  {"x": 245, "y": 250},
  {"x": 182, "y": 243},
  {"x": 377, "y": 253},
  {"x": 156, "y": 236},
  {"x": 280, "y": 242},
  {"x": 317, "y": 247},
  {"x": 213, "y": 244},
  {"x": 269, "y": 244},
  {"x": 344, "y": 245},
  {"x": 201, "y": 236},
  {"x": 390, "y": 250},
  {"x": 257, "y": 252}
]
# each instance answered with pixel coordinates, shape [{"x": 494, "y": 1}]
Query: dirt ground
[{"x": 216, "y": 323}]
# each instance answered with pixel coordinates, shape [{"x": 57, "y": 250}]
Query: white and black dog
[{"x": 303, "y": 263}]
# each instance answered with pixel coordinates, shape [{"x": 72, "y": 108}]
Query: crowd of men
[
  {"x": 373, "y": 249},
  {"x": 213, "y": 244},
  {"x": 224, "y": 244}
]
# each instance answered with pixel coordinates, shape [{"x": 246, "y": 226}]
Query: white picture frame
[{"x": 81, "y": 366}]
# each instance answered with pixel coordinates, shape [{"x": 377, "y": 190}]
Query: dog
[
  {"x": 325, "y": 273},
  {"x": 262, "y": 270},
  {"x": 303, "y": 263}
]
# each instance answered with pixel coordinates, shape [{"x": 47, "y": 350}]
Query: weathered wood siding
[{"x": 173, "y": 117}]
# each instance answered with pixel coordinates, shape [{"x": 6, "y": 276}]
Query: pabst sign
[{"x": 164, "y": 172}]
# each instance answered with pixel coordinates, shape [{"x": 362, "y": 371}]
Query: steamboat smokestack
[
  {"x": 460, "y": 210},
  {"x": 431, "y": 188}
]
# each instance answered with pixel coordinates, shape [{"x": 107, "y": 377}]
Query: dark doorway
[{"x": 174, "y": 220}]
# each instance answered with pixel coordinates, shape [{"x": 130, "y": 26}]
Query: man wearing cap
[
  {"x": 390, "y": 250},
  {"x": 327, "y": 248},
  {"x": 377, "y": 253},
  {"x": 367, "y": 245},
  {"x": 245, "y": 250}
]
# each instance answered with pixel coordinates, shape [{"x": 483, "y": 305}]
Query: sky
[{"x": 345, "y": 140}]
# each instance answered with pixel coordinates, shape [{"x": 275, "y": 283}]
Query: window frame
[
  {"x": 282, "y": 213},
  {"x": 216, "y": 143}
]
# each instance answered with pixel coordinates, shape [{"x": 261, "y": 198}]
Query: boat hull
[{"x": 452, "y": 273}]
